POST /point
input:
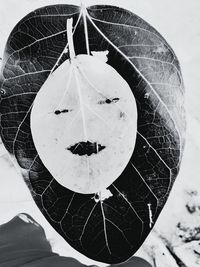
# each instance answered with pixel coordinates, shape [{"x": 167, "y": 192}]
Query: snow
[{"x": 178, "y": 21}]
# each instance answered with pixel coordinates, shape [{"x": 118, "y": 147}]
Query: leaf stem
[
  {"x": 84, "y": 11},
  {"x": 104, "y": 224},
  {"x": 72, "y": 54}
]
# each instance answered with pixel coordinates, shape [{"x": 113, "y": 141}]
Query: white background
[{"x": 179, "y": 22}]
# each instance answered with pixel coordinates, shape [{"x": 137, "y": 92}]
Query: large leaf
[{"x": 113, "y": 229}]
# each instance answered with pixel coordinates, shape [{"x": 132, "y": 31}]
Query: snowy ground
[{"x": 176, "y": 236}]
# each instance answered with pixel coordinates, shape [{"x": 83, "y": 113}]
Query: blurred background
[{"x": 175, "y": 240}]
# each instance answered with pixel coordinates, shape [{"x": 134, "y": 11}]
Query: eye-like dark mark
[
  {"x": 108, "y": 101},
  {"x": 116, "y": 99},
  {"x": 58, "y": 112},
  {"x": 85, "y": 148}
]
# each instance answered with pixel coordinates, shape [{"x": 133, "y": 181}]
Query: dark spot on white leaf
[
  {"x": 116, "y": 99},
  {"x": 58, "y": 112},
  {"x": 86, "y": 148},
  {"x": 109, "y": 101},
  {"x": 122, "y": 115}
]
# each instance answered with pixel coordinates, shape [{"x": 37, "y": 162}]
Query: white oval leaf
[{"x": 84, "y": 123}]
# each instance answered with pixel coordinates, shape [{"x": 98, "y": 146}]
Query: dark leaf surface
[{"x": 110, "y": 230}]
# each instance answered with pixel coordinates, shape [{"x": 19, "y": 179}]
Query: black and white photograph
[{"x": 99, "y": 133}]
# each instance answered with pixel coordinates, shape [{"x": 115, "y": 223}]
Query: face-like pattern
[{"x": 84, "y": 123}]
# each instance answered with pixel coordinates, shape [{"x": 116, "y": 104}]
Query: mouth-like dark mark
[{"x": 85, "y": 148}]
